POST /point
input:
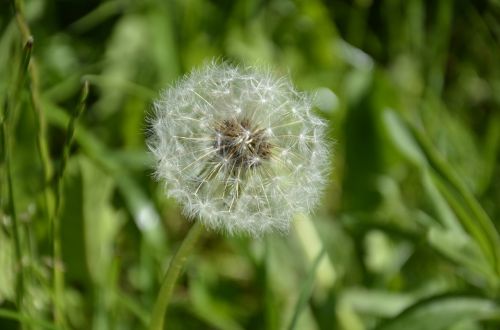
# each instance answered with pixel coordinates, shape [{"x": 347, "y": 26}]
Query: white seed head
[{"x": 240, "y": 149}]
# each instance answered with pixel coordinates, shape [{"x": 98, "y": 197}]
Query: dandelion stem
[{"x": 173, "y": 271}]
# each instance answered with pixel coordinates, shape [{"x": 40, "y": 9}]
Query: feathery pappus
[{"x": 239, "y": 149}]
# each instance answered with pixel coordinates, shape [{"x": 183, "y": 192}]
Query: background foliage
[{"x": 409, "y": 223}]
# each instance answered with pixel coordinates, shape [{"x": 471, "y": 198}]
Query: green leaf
[
  {"x": 399, "y": 134},
  {"x": 7, "y": 266},
  {"x": 446, "y": 189},
  {"x": 485, "y": 240},
  {"x": 13, "y": 315},
  {"x": 376, "y": 302},
  {"x": 207, "y": 307},
  {"x": 464, "y": 251},
  {"x": 442, "y": 209},
  {"x": 440, "y": 313},
  {"x": 458, "y": 195},
  {"x": 125, "y": 50},
  {"x": 101, "y": 222},
  {"x": 144, "y": 213}
]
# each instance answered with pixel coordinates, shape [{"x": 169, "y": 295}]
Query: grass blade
[{"x": 306, "y": 291}]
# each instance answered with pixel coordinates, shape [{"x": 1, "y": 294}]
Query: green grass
[{"x": 406, "y": 235}]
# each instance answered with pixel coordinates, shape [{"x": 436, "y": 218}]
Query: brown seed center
[{"x": 241, "y": 144}]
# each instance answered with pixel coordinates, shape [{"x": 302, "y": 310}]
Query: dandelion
[{"x": 240, "y": 149}]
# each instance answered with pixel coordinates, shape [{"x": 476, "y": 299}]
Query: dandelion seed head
[{"x": 239, "y": 149}]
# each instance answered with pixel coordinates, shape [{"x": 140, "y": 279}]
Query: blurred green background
[{"x": 410, "y": 218}]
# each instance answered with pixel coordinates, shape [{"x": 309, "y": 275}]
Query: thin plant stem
[
  {"x": 13, "y": 216},
  {"x": 40, "y": 124},
  {"x": 176, "y": 266},
  {"x": 307, "y": 289},
  {"x": 58, "y": 274},
  {"x": 41, "y": 137},
  {"x": 12, "y": 102},
  {"x": 31, "y": 72}
]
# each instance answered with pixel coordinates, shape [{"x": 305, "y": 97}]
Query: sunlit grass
[{"x": 406, "y": 236}]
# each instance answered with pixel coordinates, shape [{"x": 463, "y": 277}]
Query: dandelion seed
[{"x": 239, "y": 149}]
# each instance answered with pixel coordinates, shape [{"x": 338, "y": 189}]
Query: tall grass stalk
[
  {"x": 306, "y": 290},
  {"x": 39, "y": 118},
  {"x": 47, "y": 170},
  {"x": 41, "y": 138},
  {"x": 11, "y": 105},
  {"x": 58, "y": 274}
]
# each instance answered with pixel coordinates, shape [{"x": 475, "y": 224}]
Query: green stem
[
  {"x": 15, "y": 220},
  {"x": 40, "y": 126},
  {"x": 58, "y": 274},
  {"x": 174, "y": 269},
  {"x": 41, "y": 137},
  {"x": 11, "y": 105},
  {"x": 29, "y": 70},
  {"x": 307, "y": 289}
]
